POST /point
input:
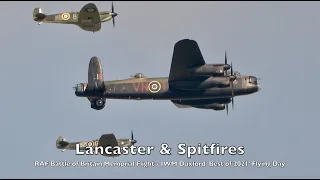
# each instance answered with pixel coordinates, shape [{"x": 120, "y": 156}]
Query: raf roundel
[
  {"x": 154, "y": 86},
  {"x": 90, "y": 10},
  {"x": 65, "y": 16},
  {"x": 90, "y": 144}
]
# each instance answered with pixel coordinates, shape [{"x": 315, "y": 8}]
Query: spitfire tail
[
  {"x": 61, "y": 142},
  {"x": 95, "y": 75},
  {"x": 38, "y": 14}
]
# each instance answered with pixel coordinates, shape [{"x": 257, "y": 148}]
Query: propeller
[
  {"x": 225, "y": 62},
  {"x": 227, "y": 108},
  {"x": 231, "y": 77},
  {"x": 113, "y": 14},
  {"x": 132, "y": 140},
  {"x": 227, "y": 105}
]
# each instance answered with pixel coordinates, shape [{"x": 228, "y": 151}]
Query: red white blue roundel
[
  {"x": 154, "y": 86},
  {"x": 90, "y": 10},
  {"x": 65, "y": 16},
  {"x": 90, "y": 144}
]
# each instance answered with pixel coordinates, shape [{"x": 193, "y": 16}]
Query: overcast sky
[{"x": 276, "y": 41}]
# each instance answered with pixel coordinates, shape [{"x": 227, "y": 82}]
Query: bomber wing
[
  {"x": 180, "y": 105},
  {"x": 89, "y": 13},
  {"x": 190, "y": 103},
  {"x": 186, "y": 54}
]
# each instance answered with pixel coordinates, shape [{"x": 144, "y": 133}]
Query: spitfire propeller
[
  {"x": 113, "y": 14},
  {"x": 132, "y": 140}
]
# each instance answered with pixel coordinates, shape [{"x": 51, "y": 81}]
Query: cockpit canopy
[{"x": 139, "y": 75}]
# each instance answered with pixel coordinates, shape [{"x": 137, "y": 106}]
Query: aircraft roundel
[
  {"x": 90, "y": 144},
  {"x": 90, "y": 10},
  {"x": 65, "y": 16},
  {"x": 154, "y": 86}
]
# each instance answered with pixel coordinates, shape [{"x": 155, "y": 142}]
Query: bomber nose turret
[{"x": 253, "y": 80}]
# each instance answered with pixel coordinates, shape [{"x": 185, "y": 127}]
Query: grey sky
[{"x": 276, "y": 41}]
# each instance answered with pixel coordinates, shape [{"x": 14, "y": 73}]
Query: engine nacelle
[
  {"x": 215, "y": 106},
  {"x": 202, "y": 101},
  {"x": 219, "y": 108},
  {"x": 215, "y": 82},
  {"x": 198, "y": 85},
  {"x": 209, "y": 69},
  {"x": 99, "y": 104}
]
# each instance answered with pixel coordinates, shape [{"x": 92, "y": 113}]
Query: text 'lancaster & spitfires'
[
  {"x": 147, "y": 164},
  {"x": 165, "y": 149}
]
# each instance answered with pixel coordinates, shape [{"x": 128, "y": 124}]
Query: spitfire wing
[
  {"x": 90, "y": 12},
  {"x": 186, "y": 54},
  {"x": 108, "y": 140}
]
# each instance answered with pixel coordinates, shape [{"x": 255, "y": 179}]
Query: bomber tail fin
[
  {"x": 38, "y": 14},
  {"x": 96, "y": 83},
  {"x": 61, "y": 143},
  {"x": 95, "y": 75}
]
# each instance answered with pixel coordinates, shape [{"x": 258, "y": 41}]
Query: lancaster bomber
[
  {"x": 191, "y": 82},
  {"x": 106, "y": 140},
  {"x": 88, "y": 19}
]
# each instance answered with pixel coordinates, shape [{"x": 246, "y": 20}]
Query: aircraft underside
[
  {"x": 170, "y": 95},
  {"x": 90, "y": 26}
]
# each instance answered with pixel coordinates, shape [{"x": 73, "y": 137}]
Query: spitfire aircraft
[
  {"x": 191, "y": 82},
  {"x": 88, "y": 19},
  {"x": 104, "y": 141}
]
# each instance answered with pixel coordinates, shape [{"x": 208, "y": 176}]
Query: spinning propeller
[
  {"x": 132, "y": 140},
  {"x": 231, "y": 78},
  {"x": 113, "y": 14}
]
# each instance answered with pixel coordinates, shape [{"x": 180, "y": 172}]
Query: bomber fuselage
[{"x": 158, "y": 89}]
